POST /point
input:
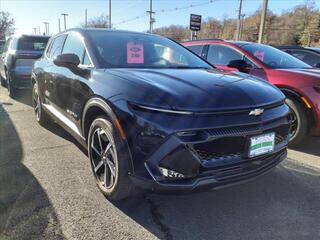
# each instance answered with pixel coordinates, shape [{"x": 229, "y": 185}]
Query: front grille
[
  {"x": 233, "y": 142},
  {"x": 231, "y": 172}
]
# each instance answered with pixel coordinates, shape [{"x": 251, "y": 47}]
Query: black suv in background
[
  {"x": 17, "y": 60},
  {"x": 2, "y": 42},
  {"x": 308, "y": 55}
]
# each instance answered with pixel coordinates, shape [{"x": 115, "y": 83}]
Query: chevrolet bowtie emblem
[{"x": 256, "y": 112}]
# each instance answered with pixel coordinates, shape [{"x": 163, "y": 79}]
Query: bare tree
[
  {"x": 97, "y": 22},
  {"x": 6, "y": 24}
]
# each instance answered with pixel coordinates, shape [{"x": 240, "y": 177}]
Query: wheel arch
[
  {"x": 96, "y": 107},
  {"x": 289, "y": 93}
]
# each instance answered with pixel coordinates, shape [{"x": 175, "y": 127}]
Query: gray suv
[{"x": 17, "y": 60}]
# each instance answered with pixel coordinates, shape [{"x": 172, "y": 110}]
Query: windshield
[
  {"x": 134, "y": 50},
  {"x": 274, "y": 58},
  {"x": 32, "y": 43}
]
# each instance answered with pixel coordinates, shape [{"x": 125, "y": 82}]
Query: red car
[{"x": 298, "y": 81}]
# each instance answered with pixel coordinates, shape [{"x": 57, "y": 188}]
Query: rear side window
[
  {"x": 32, "y": 43},
  {"x": 197, "y": 49},
  {"x": 56, "y": 46},
  {"x": 222, "y": 55},
  {"x": 311, "y": 58},
  {"x": 74, "y": 45}
]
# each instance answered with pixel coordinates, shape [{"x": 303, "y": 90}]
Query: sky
[{"x": 29, "y": 14}]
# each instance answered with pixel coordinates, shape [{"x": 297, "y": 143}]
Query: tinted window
[
  {"x": 222, "y": 55},
  {"x": 56, "y": 46},
  {"x": 196, "y": 49},
  {"x": 135, "y": 50},
  {"x": 32, "y": 43},
  {"x": 74, "y": 45},
  {"x": 86, "y": 60},
  {"x": 274, "y": 58},
  {"x": 308, "y": 57}
]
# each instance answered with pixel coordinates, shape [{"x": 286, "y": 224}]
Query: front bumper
[
  {"x": 211, "y": 158},
  {"x": 217, "y": 177}
]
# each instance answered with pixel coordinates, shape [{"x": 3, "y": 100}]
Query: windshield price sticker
[
  {"x": 259, "y": 54},
  {"x": 135, "y": 52}
]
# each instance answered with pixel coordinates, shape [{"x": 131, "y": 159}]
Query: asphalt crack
[{"x": 157, "y": 219}]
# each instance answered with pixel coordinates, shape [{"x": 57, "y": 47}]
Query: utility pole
[
  {"x": 86, "y": 18},
  {"x": 34, "y": 30},
  {"x": 241, "y": 26},
  {"x": 39, "y": 30},
  {"x": 151, "y": 19},
  {"x": 59, "y": 25},
  {"x": 110, "y": 24},
  {"x": 263, "y": 20},
  {"x": 65, "y": 20},
  {"x": 239, "y": 20}
]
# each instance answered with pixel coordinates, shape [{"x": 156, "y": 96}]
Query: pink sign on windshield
[
  {"x": 135, "y": 52},
  {"x": 259, "y": 54}
]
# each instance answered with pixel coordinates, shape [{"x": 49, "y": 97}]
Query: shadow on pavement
[
  {"x": 25, "y": 210},
  {"x": 310, "y": 145},
  {"x": 279, "y": 205},
  {"x": 24, "y": 96}
]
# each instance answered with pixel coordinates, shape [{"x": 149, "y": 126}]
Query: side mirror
[
  {"x": 241, "y": 65},
  {"x": 68, "y": 60}
]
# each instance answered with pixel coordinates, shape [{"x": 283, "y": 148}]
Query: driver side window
[
  {"x": 222, "y": 55},
  {"x": 74, "y": 45}
]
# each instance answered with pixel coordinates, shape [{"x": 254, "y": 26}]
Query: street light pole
[
  {"x": 86, "y": 18},
  {"x": 64, "y": 20},
  {"x": 46, "y": 24},
  {"x": 110, "y": 24},
  {"x": 239, "y": 20},
  {"x": 59, "y": 25},
  {"x": 263, "y": 20}
]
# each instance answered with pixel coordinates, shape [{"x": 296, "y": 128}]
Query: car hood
[{"x": 200, "y": 89}]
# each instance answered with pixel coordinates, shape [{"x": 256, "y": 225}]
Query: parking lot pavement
[{"x": 47, "y": 192}]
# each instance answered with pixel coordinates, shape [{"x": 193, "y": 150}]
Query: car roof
[
  {"x": 288, "y": 46},
  {"x": 218, "y": 40},
  {"x": 30, "y": 35},
  {"x": 87, "y": 30}
]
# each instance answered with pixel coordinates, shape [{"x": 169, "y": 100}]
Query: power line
[{"x": 166, "y": 11}]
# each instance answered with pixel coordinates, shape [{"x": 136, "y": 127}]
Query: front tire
[
  {"x": 109, "y": 158},
  {"x": 299, "y": 122},
  {"x": 41, "y": 116}
]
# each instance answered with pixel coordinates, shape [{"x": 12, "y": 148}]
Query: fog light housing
[{"x": 170, "y": 173}]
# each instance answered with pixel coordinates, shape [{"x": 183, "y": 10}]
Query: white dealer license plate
[{"x": 261, "y": 144}]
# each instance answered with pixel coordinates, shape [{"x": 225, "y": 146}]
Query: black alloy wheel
[{"x": 109, "y": 158}]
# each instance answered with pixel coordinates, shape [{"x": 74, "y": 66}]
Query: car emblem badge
[{"x": 256, "y": 112}]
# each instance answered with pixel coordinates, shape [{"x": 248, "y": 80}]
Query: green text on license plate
[{"x": 261, "y": 144}]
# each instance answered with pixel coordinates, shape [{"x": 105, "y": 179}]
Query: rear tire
[
  {"x": 109, "y": 158},
  {"x": 41, "y": 116},
  {"x": 11, "y": 89},
  {"x": 298, "y": 117},
  {"x": 3, "y": 82}
]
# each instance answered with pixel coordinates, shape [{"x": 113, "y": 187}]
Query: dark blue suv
[{"x": 17, "y": 60}]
